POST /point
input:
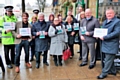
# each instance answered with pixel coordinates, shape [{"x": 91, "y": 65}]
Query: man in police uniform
[{"x": 7, "y": 37}]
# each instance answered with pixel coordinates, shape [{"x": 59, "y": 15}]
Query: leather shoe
[
  {"x": 46, "y": 64},
  {"x": 101, "y": 76},
  {"x": 17, "y": 69},
  {"x": 91, "y": 66},
  {"x": 80, "y": 58},
  {"x": 82, "y": 64},
  {"x": 78, "y": 51},
  {"x": 28, "y": 65},
  {"x": 10, "y": 66},
  {"x": 37, "y": 65},
  {"x": 60, "y": 64},
  {"x": 56, "y": 64}
]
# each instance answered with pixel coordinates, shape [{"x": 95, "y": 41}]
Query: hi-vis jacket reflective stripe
[{"x": 7, "y": 38}]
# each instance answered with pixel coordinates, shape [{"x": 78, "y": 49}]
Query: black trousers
[
  {"x": 71, "y": 49},
  {"x": 32, "y": 51},
  {"x": 59, "y": 59},
  {"x": 2, "y": 65},
  {"x": 37, "y": 55},
  {"x": 11, "y": 49}
]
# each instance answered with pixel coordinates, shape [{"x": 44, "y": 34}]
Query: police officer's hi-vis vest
[{"x": 7, "y": 38}]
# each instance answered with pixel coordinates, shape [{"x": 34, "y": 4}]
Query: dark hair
[
  {"x": 25, "y": 13},
  {"x": 51, "y": 15}
]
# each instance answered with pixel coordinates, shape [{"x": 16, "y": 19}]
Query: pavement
[{"x": 69, "y": 71}]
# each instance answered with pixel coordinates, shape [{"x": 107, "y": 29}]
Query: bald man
[
  {"x": 88, "y": 41},
  {"x": 110, "y": 43}
]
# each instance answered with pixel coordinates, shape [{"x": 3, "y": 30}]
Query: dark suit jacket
[{"x": 110, "y": 44}]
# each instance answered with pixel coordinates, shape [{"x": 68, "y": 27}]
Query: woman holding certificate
[
  {"x": 58, "y": 39},
  {"x": 71, "y": 34}
]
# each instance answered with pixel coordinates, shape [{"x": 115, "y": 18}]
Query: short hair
[
  {"x": 110, "y": 9},
  {"x": 25, "y": 13},
  {"x": 41, "y": 14},
  {"x": 34, "y": 17}
]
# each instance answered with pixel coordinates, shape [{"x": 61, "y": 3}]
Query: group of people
[{"x": 56, "y": 34}]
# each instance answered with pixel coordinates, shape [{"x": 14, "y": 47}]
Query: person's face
[
  {"x": 51, "y": 18},
  {"x": 34, "y": 19},
  {"x": 41, "y": 17},
  {"x": 69, "y": 13},
  {"x": 88, "y": 14},
  {"x": 56, "y": 21},
  {"x": 82, "y": 16},
  {"x": 110, "y": 14},
  {"x": 60, "y": 19},
  {"x": 69, "y": 19},
  {"x": 25, "y": 18},
  {"x": 9, "y": 13},
  {"x": 80, "y": 9}
]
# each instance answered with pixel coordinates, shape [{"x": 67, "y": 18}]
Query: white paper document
[
  {"x": 9, "y": 25},
  {"x": 25, "y": 31},
  {"x": 100, "y": 32}
]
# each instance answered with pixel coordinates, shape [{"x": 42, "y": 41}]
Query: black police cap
[
  {"x": 36, "y": 11},
  {"x": 8, "y": 8}
]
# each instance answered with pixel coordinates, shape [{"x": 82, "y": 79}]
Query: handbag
[{"x": 66, "y": 54}]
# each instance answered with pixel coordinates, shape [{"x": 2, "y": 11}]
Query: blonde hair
[
  {"x": 70, "y": 18},
  {"x": 34, "y": 17}
]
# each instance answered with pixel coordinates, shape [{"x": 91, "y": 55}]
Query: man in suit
[
  {"x": 88, "y": 41},
  {"x": 110, "y": 43},
  {"x": 21, "y": 41}
]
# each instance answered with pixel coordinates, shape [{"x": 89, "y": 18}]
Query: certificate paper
[
  {"x": 9, "y": 25},
  {"x": 42, "y": 34},
  {"x": 76, "y": 26},
  {"x": 25, "y": 31},
  {"x": 59, "y": 29},
  {"x": 69, "y": 27},
  {"x": 83, "y": 30},
  {"x": 100, "y": 32}
]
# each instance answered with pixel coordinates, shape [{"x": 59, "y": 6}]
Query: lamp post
[{"x": 97, "y": 8}]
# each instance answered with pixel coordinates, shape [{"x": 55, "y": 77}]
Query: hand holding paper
[
  {"x": 46, "y": 33},
  {"x": 38, "y": 33},
  {"x": 87, "y": 33},
  {"x": 82, "y": 38},
  {"x": 18, "y": 36},
  {"x": 8, "y": 30}
]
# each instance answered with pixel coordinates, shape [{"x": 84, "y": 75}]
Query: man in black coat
[{"x": 40, "y": 31}]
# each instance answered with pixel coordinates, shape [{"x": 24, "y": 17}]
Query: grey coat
[
  {"x": 40, "y": 44},
  {"x": 90, "y": 24},
  {"x": 57, "y": 41},
  {"x": 110, "y": 44}
]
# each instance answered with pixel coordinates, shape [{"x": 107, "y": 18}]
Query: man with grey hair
[
  {"x": 88, "y": 41},
  {"x": 110, "y": 43},
  {"x": 40, "y": 31}
]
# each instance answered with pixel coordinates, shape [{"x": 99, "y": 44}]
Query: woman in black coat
[{"x": 71, "y": 34}]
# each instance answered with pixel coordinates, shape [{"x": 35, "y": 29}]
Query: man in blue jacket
[{"x": 110, "y": 43}]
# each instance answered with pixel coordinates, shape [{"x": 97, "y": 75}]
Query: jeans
[{"x": 25, "y": 45}]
